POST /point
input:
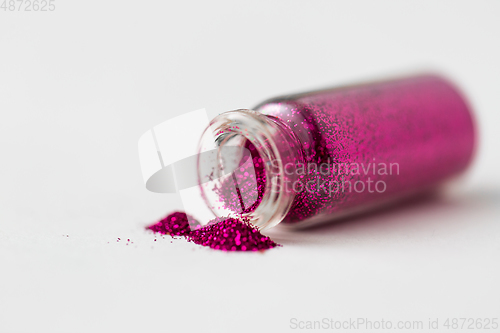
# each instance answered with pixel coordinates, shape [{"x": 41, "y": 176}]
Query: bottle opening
[
  {"x": 241, "y": 161},
  {"x": 243, "y": 191}
]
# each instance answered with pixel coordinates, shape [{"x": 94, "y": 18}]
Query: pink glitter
[
  {"x": 231, "y": 235},
  {"x": 226, "y": 234},
  {"x": 421, "y": 124},
  {"x": 175, "y": 224},
  {"x": 248, "y": 193}
]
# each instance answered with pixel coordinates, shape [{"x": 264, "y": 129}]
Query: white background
[{"x": 78, "y": 86}]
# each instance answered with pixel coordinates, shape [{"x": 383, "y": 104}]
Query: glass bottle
[{"x": 313, "y": 157}]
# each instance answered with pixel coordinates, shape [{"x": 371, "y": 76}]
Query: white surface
[
  {"x": 171, "y": 147},
  {"x": 178, "y": 137},
  {"x": 78, "y": 87}
]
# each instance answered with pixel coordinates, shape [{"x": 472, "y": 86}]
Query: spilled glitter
[
  {"x": 231, "y": 235},
  {"x": 225, "y": 234},
  {"x": 175, "y": 224}
]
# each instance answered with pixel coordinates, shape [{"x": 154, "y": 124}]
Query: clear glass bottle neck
[{"x": 242, "y": 167}]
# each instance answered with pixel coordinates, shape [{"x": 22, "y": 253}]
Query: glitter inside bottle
[{"x": 313, "y": 157}]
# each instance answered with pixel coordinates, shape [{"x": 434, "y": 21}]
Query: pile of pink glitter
[{"x": 226, "y": 234}]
